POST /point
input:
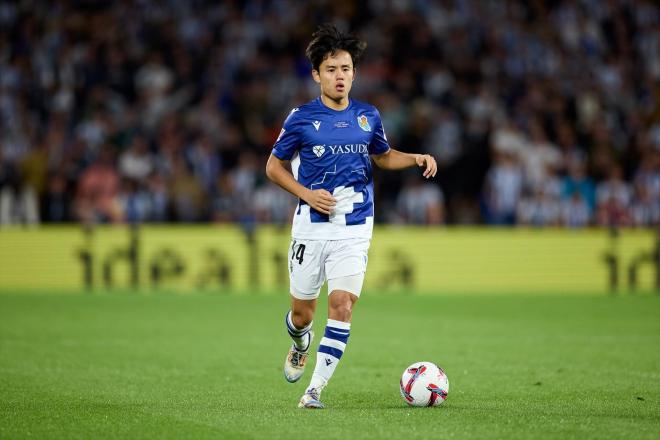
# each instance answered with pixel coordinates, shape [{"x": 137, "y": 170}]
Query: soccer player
[{"x": 329, "y": 143}]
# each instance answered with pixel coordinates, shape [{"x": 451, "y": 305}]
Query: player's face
[{"x": 335, "y": 76}]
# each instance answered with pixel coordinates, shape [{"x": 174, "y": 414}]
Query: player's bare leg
[
  {"x": 331, "y": 348},
  {"x": 299, "y": 325},
  {"x": 340, "y": 305},
  {"x": 302, "y": 311}
]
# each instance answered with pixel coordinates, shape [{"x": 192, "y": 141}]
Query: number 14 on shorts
[{"x": 297, "y": 254}]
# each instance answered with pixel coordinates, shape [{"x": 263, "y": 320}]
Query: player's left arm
[{"x": 397, "y": 160}]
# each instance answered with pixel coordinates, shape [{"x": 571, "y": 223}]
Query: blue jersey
[{"x": 330, "y": 149}]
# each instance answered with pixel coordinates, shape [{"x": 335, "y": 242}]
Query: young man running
[{"x": 329, "y": 143}]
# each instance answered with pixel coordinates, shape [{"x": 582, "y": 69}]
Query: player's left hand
[{"x": 428, "y": 161}]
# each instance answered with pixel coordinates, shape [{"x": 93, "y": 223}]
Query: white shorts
[{"x": 341, "y": 262}]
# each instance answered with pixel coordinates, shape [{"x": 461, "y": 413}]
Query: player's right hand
[{"x": 321, "y": 200}]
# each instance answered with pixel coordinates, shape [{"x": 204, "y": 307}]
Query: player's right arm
[{"x": 318, "y": 199}]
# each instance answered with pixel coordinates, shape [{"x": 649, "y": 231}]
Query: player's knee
[
  {"x": 301, "y": 318},
  {"x": 341, "y": 307}
]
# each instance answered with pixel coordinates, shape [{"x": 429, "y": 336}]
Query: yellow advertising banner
[{"x": 222, "y": 258}]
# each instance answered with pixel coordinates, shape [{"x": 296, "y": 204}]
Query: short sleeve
[
  {"x": 288, "y": 142},
  {"x": 379, "y": 144}
]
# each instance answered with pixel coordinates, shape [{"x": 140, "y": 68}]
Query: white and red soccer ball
[{"x": 424, "y": 384}]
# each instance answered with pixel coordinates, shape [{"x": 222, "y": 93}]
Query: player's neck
[{"x": 335, "y": 104}]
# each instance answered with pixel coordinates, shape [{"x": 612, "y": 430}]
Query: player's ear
[{"x": 316, "y": 76}]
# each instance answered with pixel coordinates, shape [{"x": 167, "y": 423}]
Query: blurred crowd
[{"x": 540, "y": 112}]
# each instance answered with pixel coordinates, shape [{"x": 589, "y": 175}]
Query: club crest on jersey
[
  {"x": 318, "y": 150},
  {"x": 317, "y": 125},
  {"x": 363, "y": 122}
]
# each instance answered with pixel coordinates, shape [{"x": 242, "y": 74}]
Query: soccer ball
[{"x": 424, "y": 384}]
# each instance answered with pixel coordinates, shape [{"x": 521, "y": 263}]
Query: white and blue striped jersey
[{"x": 330, "y": 149}]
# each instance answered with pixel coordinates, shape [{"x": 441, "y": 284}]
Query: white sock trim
[
  {"x": 292, "y": 325},
  {"x": 333, "y": 343},
  {"x": 339, "y": 324}
]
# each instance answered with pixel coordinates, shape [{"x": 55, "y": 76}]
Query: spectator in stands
[
  {"x": 540, "y": 207},
  {"x": 244, "y": 180},
  {"x": 227, "y": 203},
  {"x": 420, "y": 202},
  {"x": 503, "y": 189},
  {"x": 56, "y": 202},
  {"x": 272, "y": 205},
  {"x": 97, "y": 193},
  {"x": 575, "y": 211},
  {"x": 644, "y": 211},
  {"x": 159, "y": 198},
  {"x": 613, "y": 199},
  {"x": 206, "y": 163},
  {"x": 187, "y": 195},
  {"x": 137, "y": 163},
  {"x": 540, "y": 158},
  {"x": 134, "y": 202},
  {"x": 577, "y": 181},
  {"x": 18, "y": 201}
]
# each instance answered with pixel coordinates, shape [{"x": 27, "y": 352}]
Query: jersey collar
[{"x": 325, "y": 107}]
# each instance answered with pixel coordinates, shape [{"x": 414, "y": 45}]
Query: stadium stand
[{"x": 542, "y": 113}]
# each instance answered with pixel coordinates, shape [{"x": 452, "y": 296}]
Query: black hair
[{"x": 327, "y": 40}]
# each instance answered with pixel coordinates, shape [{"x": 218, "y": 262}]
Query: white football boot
[
  {"x": 311, "y": 399},
  {"x": 294, "y": 364}
]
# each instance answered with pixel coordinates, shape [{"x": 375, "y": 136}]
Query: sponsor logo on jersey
[
  {"x": 318, "y": 150},
  {"x": 349, "y": 148},
  {"x": 363, "y": 122}
]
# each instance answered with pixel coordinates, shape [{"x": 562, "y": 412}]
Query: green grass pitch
[{"x": 127, "y": 365}]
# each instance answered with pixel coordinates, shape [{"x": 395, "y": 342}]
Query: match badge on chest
[{"x": 363, "y": 122}]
